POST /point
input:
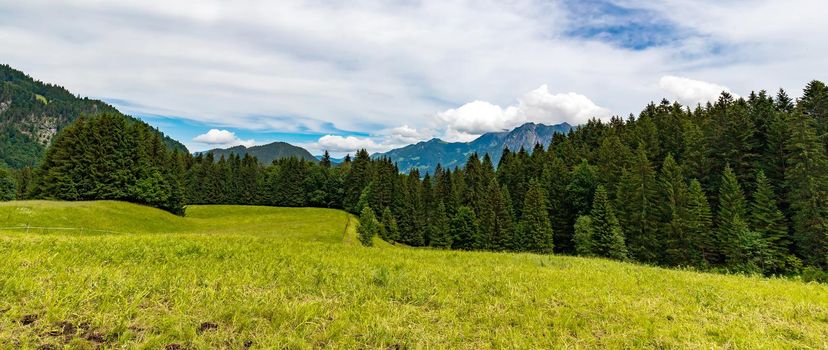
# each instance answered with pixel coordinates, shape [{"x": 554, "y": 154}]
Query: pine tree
[
  {"x": 388, "y": 226},
  {"x": 368, "y": 227},
  {"x": 358, "y": 177},
  {"x": 534, "y": 228},
  {"x": 584, "y": 236},
  {"x": 673, "y": 197},
  {"x": 636, "y": 203},
  {"x": 609, "y": 240},
  {"x": 325, "y": 162},
  {"x": 555, "y": 178},
  {"x": 439, "y": 230},
  {"x": 807, "y": 186},
  {"x": 465, "y": 233},
  {"x": 700, "y": 225},
  {"x": 8, "y": 185},
  {"x": 581, "y": 188},
  {"x": 767, "y": 220},
  {"x": 739, "y": 245},
  {"x": 496, "y": 220}
]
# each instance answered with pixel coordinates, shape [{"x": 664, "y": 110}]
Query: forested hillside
[
  {"x": 266, "y": 154},
  {"x": 735, "y": 185},
  {"x": 32, "y": 112}
]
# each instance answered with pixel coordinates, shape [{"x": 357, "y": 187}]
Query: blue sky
[{"x": 382, "y": 74}]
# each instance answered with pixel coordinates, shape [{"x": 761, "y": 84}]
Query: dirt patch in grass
[
  {"x": 207, "y": 326},
  {"x": 63, "y": 328},
  {"x": 173, "y": 347},
  {"x": 28, "y": 319},
  {"x": 96, "y": 337}
]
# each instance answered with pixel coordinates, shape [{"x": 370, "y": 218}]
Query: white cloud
[
  {"x": 299, "y": 65},
  {"x": 347, "y": 144},
  {"x": 475, "y": 118},
  {"x": 223, "y": 138},
  {"x": 691, "y": 92}
]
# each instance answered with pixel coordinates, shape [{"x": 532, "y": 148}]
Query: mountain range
[
  {"x": 427, "y": 154},
  {"x": 266, "y": 154},
  {"x": 32, "y": 112}
]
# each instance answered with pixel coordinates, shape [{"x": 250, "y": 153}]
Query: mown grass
[{"x": 296, "y": 278}]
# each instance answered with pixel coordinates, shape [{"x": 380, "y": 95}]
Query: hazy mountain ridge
[
  {"x": 426, "y": 155},
  {"x": 266, "y": 154}
]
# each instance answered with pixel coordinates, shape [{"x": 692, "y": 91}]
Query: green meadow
[{"x": 116, "y": 275}]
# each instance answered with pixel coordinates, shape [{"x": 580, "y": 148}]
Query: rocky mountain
[
  {"x": 266, "y": 154},
  {"x": 427, "y": 154},
  {"x": 32, "y": 112}
]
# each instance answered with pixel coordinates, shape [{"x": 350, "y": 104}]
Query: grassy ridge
[{"x": 296, "y": 278}]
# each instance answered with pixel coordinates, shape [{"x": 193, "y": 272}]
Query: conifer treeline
[{"x": 739, "y": 184}]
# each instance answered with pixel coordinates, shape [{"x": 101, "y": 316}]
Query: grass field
[{"x": 256, "y": 277}]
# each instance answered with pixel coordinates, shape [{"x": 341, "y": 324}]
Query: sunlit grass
[{"x": 297, "y": 278}]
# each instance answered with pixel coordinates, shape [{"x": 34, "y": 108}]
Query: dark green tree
[
  {"x": 534, "y": 228},
  {"x": 768, "y": 221},
  {"x": 388, "y": 226},
  {"x": 464, "y": 230},
  {"x": 606, "y": 232},
  {"x": 439, "y": 231}
]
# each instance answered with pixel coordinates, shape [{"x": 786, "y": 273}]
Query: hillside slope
[
  {"x": 427, "y": 154},
  {"x": 32, "y": 112},
  {"x": 266, "y": 154},
  {"x": 236, "y": 277}
]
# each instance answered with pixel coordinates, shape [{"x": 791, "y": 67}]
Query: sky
[{"x": 339, "y": 76}]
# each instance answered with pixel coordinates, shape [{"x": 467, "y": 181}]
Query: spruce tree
[
  {"x": 609, "y": 240},
  {"x": 673, "y": 200},
  {"x": 368, "y": 227},
  {"x": 439, "y": 232},
  {"x": 636, "y": 203},
  {"x": 767, "y": 220},
  {"x": 464, "y": 230},
  {"x": 325, "y": 162},
  {"x": 740, "y": 246},
  {"x": 584, "y": 236},
  {"x": 807, "y": 186},
  {"x": 388, "y": 226},
  {"x": 534, "y": 228},
  {"x": 700, "y": 225},
  {"x": 8, "y": 185}
]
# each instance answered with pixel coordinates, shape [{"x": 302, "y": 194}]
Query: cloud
[
  {"x": 298, "y": 65},
  {"x": 691, "y": 92},
  {"x": 347, "y": 144},
  {"x": 475, "y": 118},
  {"x": 223, "y": 138}
]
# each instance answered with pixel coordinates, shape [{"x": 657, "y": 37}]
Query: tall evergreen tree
[
  {"x": 465, "y": 233},
  {"x": 674, "y": 216},
  {"x": 739, "y": 245},
  {"x": 767, "y": 220},
  {"x": 388, "y": 226},
  {"x": 439, "y": 231},
  {"x": 534, "y": 227},
  {"x": 807, "y": 186},
  {"x": 636, "y": 203},
  {"x": 700, "y": 225},
  {"x": 607, "y": 234}
]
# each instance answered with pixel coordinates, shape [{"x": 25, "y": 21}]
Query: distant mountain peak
[{"x": 425, "y": 155}]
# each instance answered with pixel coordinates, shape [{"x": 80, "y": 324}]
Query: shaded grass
[{"x": 297, "y": 278}]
